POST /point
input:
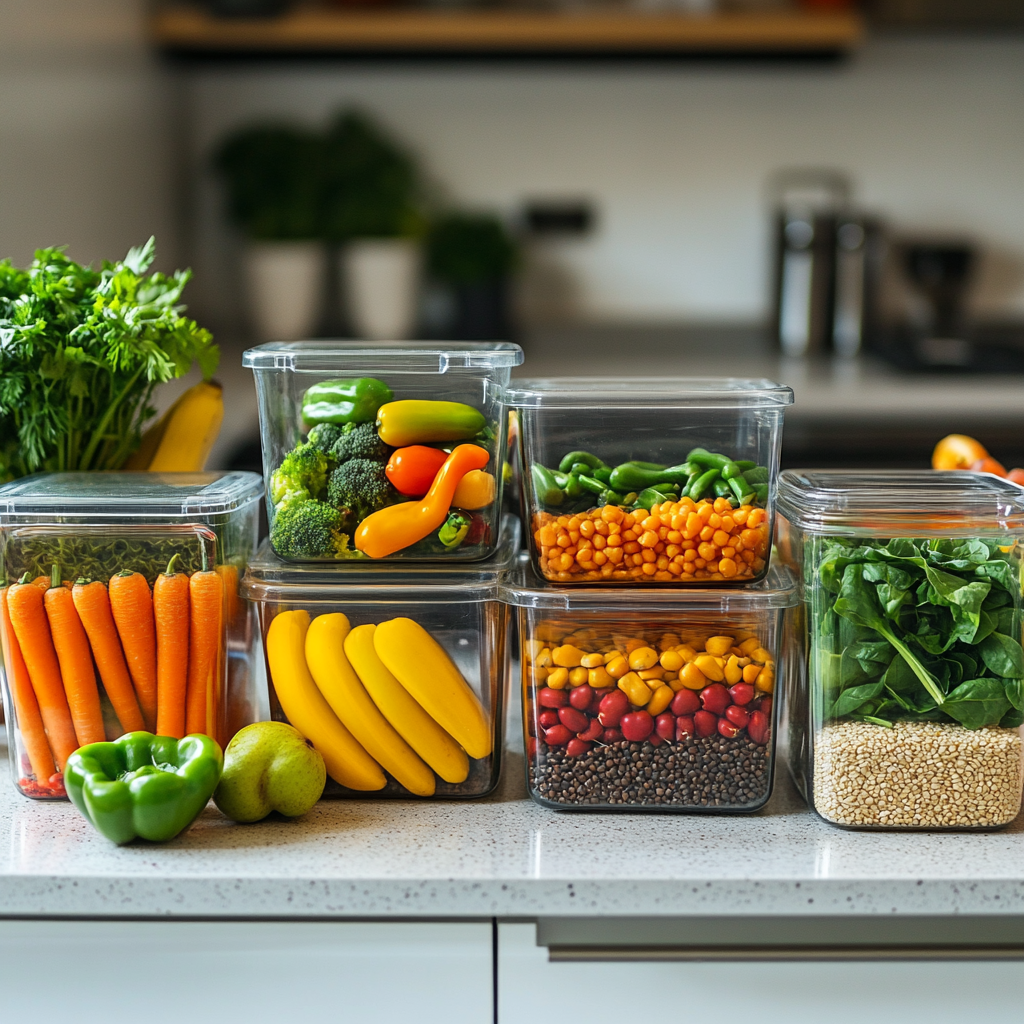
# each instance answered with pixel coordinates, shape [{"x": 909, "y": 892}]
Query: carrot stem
[
  {"x": 132, "y": 607},
  {"x": 171, "y": 613},
  {"x": 92, "y": 602}
]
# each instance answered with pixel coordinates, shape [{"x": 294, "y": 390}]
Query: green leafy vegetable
[{"x": 81, "y": 351}]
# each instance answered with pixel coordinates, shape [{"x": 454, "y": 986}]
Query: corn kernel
[
  {"x": 712, "y": 667},
  {"x": 635, "y": 689},
  {"x": 617, "y": 667},
  {"x": 750, "y": 645},
  {"x": 761, "y": 656},
  {"x": 532, "y": 648},
  {"x": 660, "y": 699},
  {"x": 558, "y": 678},
  {"x": 643, "y": 658},
  {"x": 750, "y": 673},
  {"x": 567, "y": 656},
  {"x": 691, "y": 677},
  {"x": 578, "y": 676},
  {"x": 599, "y": 678},
  {"x": 765, "y": 681},
  {"x": 733, "y": 672},
  {"x": 543, "y": 660},
  {"x": 592, "y": 660},
  {"x": 655, "y": 674},
  {"x": 686, "y": 652},
  {"x": 672, "y": 661},
  {"x": 718, "y": 644}
]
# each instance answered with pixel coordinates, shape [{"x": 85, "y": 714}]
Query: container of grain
[{"x": 906, "y": 703}]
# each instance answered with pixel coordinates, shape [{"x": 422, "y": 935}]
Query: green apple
[{"x": 269, "y": 766}]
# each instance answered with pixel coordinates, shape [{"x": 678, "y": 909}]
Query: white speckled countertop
[{"x": 503, "y": 857}]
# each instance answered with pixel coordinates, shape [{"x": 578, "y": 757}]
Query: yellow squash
[
  {"x": 423, "y": 667},
  {"x": 338, "y": 682},
  {"x": 180, "y": 441},
  {"x": 420, "y": 731},
  {"x": 347, "y": 763}
]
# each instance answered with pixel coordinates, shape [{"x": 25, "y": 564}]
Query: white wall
[
  {"x": 676, "y": 157},
  {"x": 84, "y": 118}
]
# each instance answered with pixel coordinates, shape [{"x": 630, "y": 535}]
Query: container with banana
[{"x": 393, "y": 674}]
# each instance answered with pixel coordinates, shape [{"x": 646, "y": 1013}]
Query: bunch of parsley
[{"x": 81, "y": 351}]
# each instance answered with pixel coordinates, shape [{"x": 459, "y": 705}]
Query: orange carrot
[
  {"x": 171, "y": 610},
  {"x": 32, "y": 630},
  {"x": 132, "y": 606},
  {"x": 206, "y": 631},
  {"x": 26, "y": 707},
  {"x": 75, "y": 658},
  {"x": 93, "y": 606},
  {"x": 232, "y": 604}
]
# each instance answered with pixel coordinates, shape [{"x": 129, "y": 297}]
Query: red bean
[
  {"x": 576, "y": 746},
  {"x": 741, "y": 693},
  {"x": 685, "y": 702},
  {"x": 665, "y": 726},
  {"x": 611, "y": 736},
  {"x": 595, "y": 701},
  {"x": 715, "y": 698},
  {"x": 704, "y": 723},
  {"x": 684, "y": 727},
  {"x": 738, "y": 716},
  {"x": 655, "y": 740},
  {"x": 557, "y": 736},
  {"x": 757, "y": 727},
  {"x": 548, "y": 698},
  {"x": 637, "y": 726},
  {"x": 613, "y": 706},
  {"x": 547, "y": 719},
  {"x": 580, "y": 697},
  {"x": 764, "y": 705},
  {"x": 727, "y": 729},
  {"x": 593, "y": 731},
  {"x": 573, "y": 720}
]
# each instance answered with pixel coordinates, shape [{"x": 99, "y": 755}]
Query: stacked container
[
  {"x": 377, "y": 591},
  {"x": 121, "y": 611},
  {"x": 907, "y": 696},
  {"x": 650, "y": 622}
]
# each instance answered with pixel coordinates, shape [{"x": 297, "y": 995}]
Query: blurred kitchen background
[{"x": 825, "y": 193}]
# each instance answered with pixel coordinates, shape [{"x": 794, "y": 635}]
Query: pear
[{"x": 269, "y": 766}]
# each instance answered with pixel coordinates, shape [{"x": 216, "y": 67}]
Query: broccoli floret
[
  {"x": 308, "y": 529},
  {"x": 323, "y": 436},
  {"x": 359, "y": 441},
  {"x": 301, "y": 475},
  {"x": 360, "y": 487}
]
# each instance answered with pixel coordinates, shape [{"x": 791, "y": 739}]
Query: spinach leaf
[
  {"x": 1013, "y": 719},
  {"x": 977, "y": 703},
  {"x": 851, "y": 699},
  {"x": 1015, "y": 692},
  {"x": 1002, "y": 655}
]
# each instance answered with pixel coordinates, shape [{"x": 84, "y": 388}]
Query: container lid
[
  {"x": 270, "y": 578},
  {"x": 381, "y": 357},
  {"x": 521, "y": 586},
  {"x": 642, "y": 392},
  {"x": 886, "y": 502},
  {"x": 115, "y": 494}
]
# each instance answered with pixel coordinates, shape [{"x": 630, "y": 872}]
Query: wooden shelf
[{"x": 189, "y": 31}]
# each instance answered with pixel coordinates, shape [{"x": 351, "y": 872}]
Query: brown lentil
[{"x": 917, "y": 775}]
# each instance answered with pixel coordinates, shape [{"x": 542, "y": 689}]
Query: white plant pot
[
  {"x": 381, "y": 286},
  {"x": 284, "y": 281}
]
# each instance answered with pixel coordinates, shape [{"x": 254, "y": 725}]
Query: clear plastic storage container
[
  {"x": 661, "y": 480},
  {"x": 906, "y": 701},
  {"x": 664, "y": 702},
  {"x": 394, "y": 673},
  {"x": 350, "y": 430},
  {"x": 98, "y": 640}
]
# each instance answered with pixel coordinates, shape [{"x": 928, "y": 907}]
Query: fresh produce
[
  {"x": 389, "y": 692},
  {"x": 132, "y": 606},
  {"x": 399, "y": 526},
  {"x": 304, "y": 705},
  {"x": 361, "y": 458},
  {"x": 171, "y": 614},
  {"x": 606, "y": 710},
  {"x": 958, "y": 451},
  {"x": 181, "y": 440},
  {"x": 83, "y": 351},
  {"x": 345, "y": 401},
  {"x": 143, "y": 786},
  {"x": 415, "y": 421},
  {"x": 268, "y": 766},
  {"x": 205, "y": 650},
  {"x": 680, "y": 541}
]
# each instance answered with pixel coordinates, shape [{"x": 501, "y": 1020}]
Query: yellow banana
[
  {"x": 181, "y": 441},
  {"x": 419, "y": 730},
  {"x": 338, "y": 682},
  {"x": 423, "y": 667},
  {"x": 347, "y": 762}
]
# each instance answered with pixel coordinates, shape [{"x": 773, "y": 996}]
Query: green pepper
[
  {"x": 143, "y": 786},
  {"x": 546, "y": 488},
  {"x": 592, "y": 484},
  {"x": 345, "y": 401},
  {"x": 572, "y": 486},
  {"x": 740, "y": 488},
  {"x": 761, "y": 493},
  {"x": 603, "y": 473},
  {"x": 702, "y": 484},
  {"x": 720, "y": 488},
  {"x": 590, "y": 461},
  {"x": 610, "y": 497},
  {"x": 635, "y": 476},
  {"x": 653, "y": 496},
  {"x": 744, "y": 464},
  {"x": 454, "y": 531},
  {"x": 424, "y": 421}
]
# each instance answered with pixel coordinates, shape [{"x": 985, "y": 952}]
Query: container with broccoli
[{"x": 407, "y": 464}]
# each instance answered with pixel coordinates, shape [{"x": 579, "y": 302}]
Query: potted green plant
[
  {"x": 274, "y": 179},
  {"x": 372, "y": 211},
  {"x": 473, "y": 256}
]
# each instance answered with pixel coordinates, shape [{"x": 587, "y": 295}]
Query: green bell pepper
[
  {"x": 573, "y": 458},
  {"x": 143, "y": 786},
  {"x": 345, "y": 401},
  {"x": 454, "y": 530}
]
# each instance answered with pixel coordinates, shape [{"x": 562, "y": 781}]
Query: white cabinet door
[
  {"x": 166, "y": 972},
  {"x": 531, "y": 989}
]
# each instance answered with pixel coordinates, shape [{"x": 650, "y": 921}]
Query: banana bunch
[
  {"x": 180, "y": 441},
  {"x": 376, "y": 699}
]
